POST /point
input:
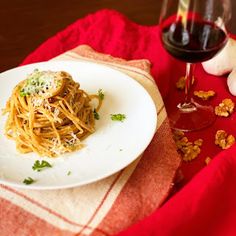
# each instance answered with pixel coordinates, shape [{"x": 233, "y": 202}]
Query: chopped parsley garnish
[
  {"x": 118, "y": 117},
  {"x": 28, "y": 181},
  {"x": 101, "y": 94},
  {"x": 69, "y": 173},
  {"x": 23, "y": 93},
  {"x": 38, "y": 82},
  {"x": 38, "y": 166},
  {"x": 96, "y": 115}
]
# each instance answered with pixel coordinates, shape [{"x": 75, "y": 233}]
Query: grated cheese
[
  {"x": 61, "y": 149},
  {"x": 56, "y": 112},
  {"x": 37, "y": 102}
]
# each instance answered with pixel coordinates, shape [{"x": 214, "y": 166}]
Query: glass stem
[
  {"x": 188, "y": 105},
  {"x": 189, "y": 81}
]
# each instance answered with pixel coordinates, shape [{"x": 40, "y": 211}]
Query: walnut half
[
  {"x": 188, "y": 150},
  {"x": 223, "y": 140},
  {"x": 204, "y": 95},
  {"x": 225, "y": 108}
]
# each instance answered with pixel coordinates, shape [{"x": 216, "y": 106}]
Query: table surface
[{"x": 25, "y": 24}]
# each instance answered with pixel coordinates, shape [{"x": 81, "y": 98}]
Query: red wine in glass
[
  {"x": 198, "y": 44},
  {"x": 193, "y": 31}
]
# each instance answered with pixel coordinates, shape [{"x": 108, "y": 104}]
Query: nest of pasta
[{"x": 49, "y": 114}]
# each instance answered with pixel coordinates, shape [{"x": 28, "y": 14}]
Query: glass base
[{"x": 191, "y": 116}]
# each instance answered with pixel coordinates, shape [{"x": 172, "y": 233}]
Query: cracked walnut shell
[
  {"x": 223, "y": 140},
  {"x": 188, "y": 150},
  {"x": 204, "y": 95},
  {"x": 207, "y": 160},
  {"x": 180, "y": 84},
  {"x": 225, "y": 108}
]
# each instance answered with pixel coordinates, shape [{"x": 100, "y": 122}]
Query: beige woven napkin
[{"x": 109, "y": 205}]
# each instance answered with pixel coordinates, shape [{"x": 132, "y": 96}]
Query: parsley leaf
[
  {"x": 96, "y": 115},
  {"x": 41, "y": 165},
  {"x": 23, "y": 93},
  {"x": 28, "y": 181},
  {"x": 69, "y": 173},
  {"x": 118, "y": 117},
  {"x": 101, "y": 94}
]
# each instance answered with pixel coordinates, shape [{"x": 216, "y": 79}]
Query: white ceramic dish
[{"x": 112, "y": 147}]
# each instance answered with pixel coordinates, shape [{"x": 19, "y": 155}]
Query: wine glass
[{"x": 193, "y": 31}]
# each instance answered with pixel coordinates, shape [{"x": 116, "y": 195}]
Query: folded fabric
[
  {"x": 107, "y": 206},
  {"x": 205, "y": 206}
]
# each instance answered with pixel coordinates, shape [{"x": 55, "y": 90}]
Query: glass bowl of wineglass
[{"x": 193, "y": 31}]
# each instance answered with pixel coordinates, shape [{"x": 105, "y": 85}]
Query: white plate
[{"x": 112, "y": 147}]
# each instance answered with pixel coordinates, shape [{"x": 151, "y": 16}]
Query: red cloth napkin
[{"x": 205, "y": 205}]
